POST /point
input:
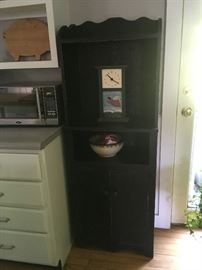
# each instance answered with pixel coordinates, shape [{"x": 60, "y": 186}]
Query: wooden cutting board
[{"x": 27, "y": 37}]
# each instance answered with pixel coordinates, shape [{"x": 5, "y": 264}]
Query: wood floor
[{"x": 175, "y": 249}]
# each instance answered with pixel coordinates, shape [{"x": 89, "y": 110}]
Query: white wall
[
  {"x": 100, "y": 10},
  {"x": 61, "y": 13}
]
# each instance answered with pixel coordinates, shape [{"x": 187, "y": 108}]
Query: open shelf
[{"x": 134, "y": 151}]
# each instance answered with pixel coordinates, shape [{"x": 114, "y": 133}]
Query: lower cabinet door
[
  {"x": 113, "y": 209},
  {"x": 132, "y": 209},
  {"x": 90, "y": 208},
  {"x": 25, "y": 247}
]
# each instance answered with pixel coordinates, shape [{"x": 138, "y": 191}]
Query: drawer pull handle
[
  {"x": 4, "y": 219},
  {"x": 1, "y": 194},
  {"x": 7, "y": 247}
]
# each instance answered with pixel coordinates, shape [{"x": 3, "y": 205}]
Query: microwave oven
[{"x": 30, "y": 105}]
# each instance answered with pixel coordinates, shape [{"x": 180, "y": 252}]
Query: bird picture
[
  {"x": 112, "y": 101},
  {"x": 115, "y": 101}
]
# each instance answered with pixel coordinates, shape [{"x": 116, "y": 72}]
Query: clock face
[{"x": 111, "y": 77}]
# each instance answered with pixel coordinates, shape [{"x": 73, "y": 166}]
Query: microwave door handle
[{"x": 38, "y": 103}]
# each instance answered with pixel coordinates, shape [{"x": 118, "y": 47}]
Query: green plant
[{"x": 194, "y": 212}]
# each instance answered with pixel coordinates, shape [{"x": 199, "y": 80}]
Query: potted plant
[{"x": 194, "y": 212}]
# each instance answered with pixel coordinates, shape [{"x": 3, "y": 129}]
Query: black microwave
[{"x": 31, "y": 105}]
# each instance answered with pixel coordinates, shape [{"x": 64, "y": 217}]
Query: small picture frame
[
  {"x": 112, "y": 107},
  {"x": 112, "y": 102}
]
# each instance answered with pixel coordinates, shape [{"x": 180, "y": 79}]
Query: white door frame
[{"x": 172, "y": 51}]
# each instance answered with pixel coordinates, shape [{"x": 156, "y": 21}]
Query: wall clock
[
  {"x": 112, "y": 93},
  {"x": 111, "y": 77}
]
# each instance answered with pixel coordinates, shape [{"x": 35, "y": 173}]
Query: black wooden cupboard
[{"x": 111, "y": 199}]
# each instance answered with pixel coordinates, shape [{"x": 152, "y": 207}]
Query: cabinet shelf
[
  {"x": 136, "y": 148},
  {"x": 20, "y": 9},
  {"x": 95, "y": 40},
  {"x": 111, "y": 128},
  {"x": 112, "y": 163}
]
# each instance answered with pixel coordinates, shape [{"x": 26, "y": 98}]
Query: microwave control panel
[{"x": 50, "y": 104}]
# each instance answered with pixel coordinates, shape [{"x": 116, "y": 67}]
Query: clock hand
[
  {"x": 112, "y": 79},
  {"x": 109, "y": 77}
]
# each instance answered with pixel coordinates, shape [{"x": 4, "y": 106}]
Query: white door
[
  {"x": 167, "y": 122},
  {"x": 179, "y": 83},
  {"x": 190, "y": 83}
]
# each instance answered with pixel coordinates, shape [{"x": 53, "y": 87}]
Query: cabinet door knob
[
  {"x": 1, "y": 194},
  {"x": 106, "y": 192},
  {"x": 4, "y": 219},
  {"x": 7, "y": 247}
]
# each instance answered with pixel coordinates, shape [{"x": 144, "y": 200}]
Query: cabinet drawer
[
  {"x": 20, "y": 166},
  {"x": 23, "y": 219},
  {"x": 25, "y": 247},
  {"x": 21, "y": 194}
]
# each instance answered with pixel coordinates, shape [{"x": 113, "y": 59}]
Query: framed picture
[
  {"x": 112, "y": 102},
  {"x": 112, "y": 93}
]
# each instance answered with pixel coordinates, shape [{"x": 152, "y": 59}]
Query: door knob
[{"x": 186, "y": 111}]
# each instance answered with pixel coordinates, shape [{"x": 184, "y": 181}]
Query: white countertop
[{"x": 27, "y": 138}]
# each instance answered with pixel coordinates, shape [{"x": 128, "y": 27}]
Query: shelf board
[
  {"x": 110, "y": 129},
  {"x": 109, "y": 162},
  {"x": 96, "y": 40},
  {"x": 23, "y": 9},
  {"x": 29, "y": 64}
]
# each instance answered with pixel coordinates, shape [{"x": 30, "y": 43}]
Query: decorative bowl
[{"x": 106, "y": 145}]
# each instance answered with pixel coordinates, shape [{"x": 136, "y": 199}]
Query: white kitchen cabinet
[
  {"x": 26, "y": 247},
  {"x": 34, "y": 222},
  {"x": 22, "y": 219},
  {"x": 25, "y": 167},
  {"x": 53, "y": 12}
]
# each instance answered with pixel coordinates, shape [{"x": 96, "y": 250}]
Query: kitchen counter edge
[{"x": 27, "y": 138}]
